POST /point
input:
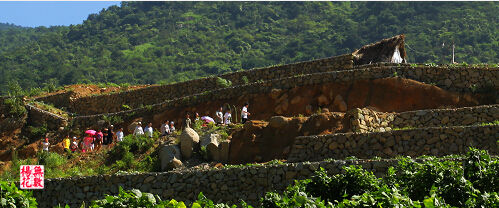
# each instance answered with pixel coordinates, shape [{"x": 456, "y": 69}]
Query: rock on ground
[{"x": 189, "y": 142}]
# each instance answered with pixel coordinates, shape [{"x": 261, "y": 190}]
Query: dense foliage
[
  {"x": 432, "y": 183},
  {"x": 162, "y": 42},
  {"x": 10, "y": 196}
]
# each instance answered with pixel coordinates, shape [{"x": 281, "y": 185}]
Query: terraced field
[{"x": 320, "y": 113}]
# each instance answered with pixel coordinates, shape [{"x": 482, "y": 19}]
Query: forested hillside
[{"x": 162, "y": 42}]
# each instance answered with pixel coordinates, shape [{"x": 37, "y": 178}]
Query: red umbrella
[{"x": 91, "y": 132}]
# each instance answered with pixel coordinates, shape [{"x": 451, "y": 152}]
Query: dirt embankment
[
  {"x": 385, "y": 95},
  {"x": 260, "y": 141}
]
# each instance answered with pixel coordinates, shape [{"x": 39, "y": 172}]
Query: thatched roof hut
[{"x": 387, "y": 50}]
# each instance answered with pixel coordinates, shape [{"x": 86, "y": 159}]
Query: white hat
[
  {"x": 74, "y": 137},
  {"x": 171, "y": 122},
  {"x": 139, "y": 123}
]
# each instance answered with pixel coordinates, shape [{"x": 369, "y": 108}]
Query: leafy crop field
[{"x": 472, "y": 181}]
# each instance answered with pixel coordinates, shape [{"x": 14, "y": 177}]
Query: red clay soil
[
  {"x": 385, "y": 95},
  {"x": 9, "y": 141},
  {"x": 260, "y": 141}
]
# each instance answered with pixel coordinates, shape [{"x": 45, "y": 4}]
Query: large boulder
[
  {"x": 278, "y": 121},
  {"x": 167, "y": 153},
  {"x": 322, "y": 100},
  {"x": 189, "y": 142},
  {"x": 340, "y": 104},
  {"x": 213, "y": 151},
  {"x": 224, "y": 151},
  {"x": 209, "y": 138},
  {"x": 174, "y": 164},
  {"x": 210, "y": 142}
]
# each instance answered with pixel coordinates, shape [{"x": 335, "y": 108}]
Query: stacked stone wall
[
  {"x": 414, "y": 142},
  {"x": 424, "y": 74},
  {"x": 60, "y": 100},
  {"x": 221, "y": 185},
  {"x": 156, "y": 94},
  {"x": 38, "y": 117},
  {"x": 367, "y": 120}
]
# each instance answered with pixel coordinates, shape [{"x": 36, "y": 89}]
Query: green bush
[
  {"x": 37, "y": 131},
  {"x": 133, "y": 198},
  {"x": 15, "y": 106},
  {"x": 136, "y": 198},
  {"x": 245, "y": 80},
  {"x": 10, "y": 196},
  {"x": 122, "y": 155},
  {"x": 354, "y": 181},
  {"x": 223, "y": 83},
  {"x": 52, "y": 162},
  {"x": 481, "y": 170}
]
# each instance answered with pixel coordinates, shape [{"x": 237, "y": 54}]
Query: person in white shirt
[
  {"x": 149, "y": 130},
  {"x": 165, "y": 129},
  {"x": 245, "y": 113},
  {"x": 172, "y": 128},
  {"x": 119, "y": 135},
  {"x": 45, "y": 145},
  {"x": 138, "y": 130},
  {"x": 227, "y": 117},
  {"x": 219, "y": 116}
]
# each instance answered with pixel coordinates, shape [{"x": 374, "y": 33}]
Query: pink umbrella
[
  {"x": 91, "y": 132},
  {"x": 207, "y": 119}
]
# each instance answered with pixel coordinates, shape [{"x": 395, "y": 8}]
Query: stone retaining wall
[
  {"x": 424, "y": 74},
  {"x": 156, "y": 94},
  {"x": 37, "y": 116},
  {"x": 367, "y": 120},
  {"x": 415, "y": 142},
  {"x": 220, "y": 185},
  {"x": 60, "y": 100}
]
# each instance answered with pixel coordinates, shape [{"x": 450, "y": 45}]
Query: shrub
[
  {"x": 122, "y": 152},
  {"x": 37, "y": 132},
  {"x": 10, "y": 196},
  {"x": 52, "y": 162},
  {"x": 133, "y": 198},
  {"x": 223, "y": 83},
  {"x": 112, "y": 119},
  {"x": 245, "y": 79},
  {"x": 125, "y": 107},
  {"x": 354, "y": 181},
  {"x": 15, "y": 106},
  {"x": 481, "y": 170},
  {"x": 418, "y": 179}
]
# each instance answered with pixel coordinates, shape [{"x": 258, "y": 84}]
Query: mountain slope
[{"x": 161, "y": 42}]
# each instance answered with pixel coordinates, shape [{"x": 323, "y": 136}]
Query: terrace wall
[
  {"x": 156, "y": 94},
  {"x": 460, "y": 81},
  {"x": 221, "y": 185},
  {"x": 38, "y": 117},
  {"x": 366, "y": 120},
  {"x": 415, "y": 142}
]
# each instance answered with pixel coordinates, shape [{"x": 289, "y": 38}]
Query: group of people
[
  {"x": 221, "y": 118},
  {"x": 167, "y": 128},
  {"x": 95, "y": 140}
]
